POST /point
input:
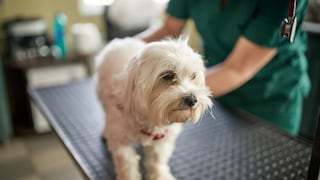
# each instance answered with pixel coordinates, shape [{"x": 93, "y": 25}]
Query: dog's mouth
[
  {"x": 184, "y": 109},
  {"x": 182, "y": 115}
]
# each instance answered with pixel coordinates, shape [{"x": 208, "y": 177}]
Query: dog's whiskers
[{"x": 210, "y": 111}]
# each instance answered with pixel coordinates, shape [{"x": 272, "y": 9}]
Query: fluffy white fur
[{"x": 149, "y": 90}]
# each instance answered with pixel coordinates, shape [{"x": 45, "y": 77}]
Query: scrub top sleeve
[
  {"x": 264, "y": 27},
  {"x": 178, "y": 9}
]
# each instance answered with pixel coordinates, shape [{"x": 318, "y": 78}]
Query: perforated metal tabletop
[{"x": 228, "y": 146}]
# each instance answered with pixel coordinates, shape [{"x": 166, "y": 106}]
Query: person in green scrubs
[{"x": 249, "y": 66}]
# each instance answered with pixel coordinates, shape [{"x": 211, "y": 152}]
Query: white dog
[{"x": 147, "y": 92}]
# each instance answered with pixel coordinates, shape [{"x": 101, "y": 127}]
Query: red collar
[{"x": 155, "y": 136}]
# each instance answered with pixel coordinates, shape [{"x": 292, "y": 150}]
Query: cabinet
[{"x": 21, "y": 75}]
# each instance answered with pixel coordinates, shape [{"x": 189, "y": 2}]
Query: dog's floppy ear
[{"x": 134, "y": 102}]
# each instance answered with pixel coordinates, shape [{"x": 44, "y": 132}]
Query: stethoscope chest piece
[
  {"x": 288, "y": 28},
  {"x": 289, "y": 25}
]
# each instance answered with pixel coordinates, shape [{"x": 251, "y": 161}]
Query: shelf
[
  {"x": 18, "y": 75},
  {"x": 35, "y": 63}
]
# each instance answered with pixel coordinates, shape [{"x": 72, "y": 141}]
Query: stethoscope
[{"x": 288, "y": 25}]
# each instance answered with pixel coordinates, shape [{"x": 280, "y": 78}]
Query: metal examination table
[{"x": 229, "y": 146}]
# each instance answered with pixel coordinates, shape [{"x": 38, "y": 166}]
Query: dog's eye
[
  {"x": 193, "y": 76},
  {"x": 171, "y": 76}
]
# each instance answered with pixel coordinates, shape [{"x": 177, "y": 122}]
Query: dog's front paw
[
  {"x": 167, "y": 176},
  {"x": 161, "y": 177},
  {"x": 129, "y": 176},
  {"x": 160, "y": 173}
]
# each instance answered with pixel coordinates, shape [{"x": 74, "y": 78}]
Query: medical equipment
[{"x": 288, "y": 25}]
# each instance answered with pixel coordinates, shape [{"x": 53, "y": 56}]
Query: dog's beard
[
  {"x": 169, "y": 106},
  {"x": 165, "y": 104}
]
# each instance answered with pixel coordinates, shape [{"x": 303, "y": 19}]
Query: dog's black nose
[{"x": 190, "y": 100}]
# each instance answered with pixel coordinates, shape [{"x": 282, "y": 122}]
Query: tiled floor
[{"x": 38, "y": 157}]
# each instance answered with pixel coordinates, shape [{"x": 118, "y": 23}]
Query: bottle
[{"x": 59, "y": 29}]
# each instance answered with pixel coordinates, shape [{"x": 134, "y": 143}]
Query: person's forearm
[
  {"x": 244, "y": 62},
  {"x": 222, "y": 79}
]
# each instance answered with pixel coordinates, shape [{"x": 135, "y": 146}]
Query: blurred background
[{"x": 51, "y": 42}]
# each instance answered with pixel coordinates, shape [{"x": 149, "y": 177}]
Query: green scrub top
[{"x": 276, "y": 92}]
